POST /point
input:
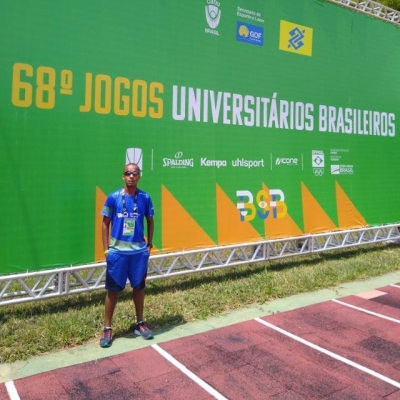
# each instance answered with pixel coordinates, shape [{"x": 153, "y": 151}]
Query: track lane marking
[
  {"x": 189, "y": 373},
  {"x": 331, "y": 354},
  {"x": 397, "y": 286},
  {"x": 364, "y": 310},
  {"x": 12, "y": 390}
]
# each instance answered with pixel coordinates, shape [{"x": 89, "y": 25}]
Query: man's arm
[
  {"x": 150, "y": 229},
  {"x": 105, "y": 232}
]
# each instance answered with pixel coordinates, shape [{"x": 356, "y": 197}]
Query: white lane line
[
  {"x": 395, "y": 285},
  {"x": 12, "y": 390},
  {"x": 331, "y": 354},
  {"x": 189, "y": 373},
  {"x": 367, "y": 311}
]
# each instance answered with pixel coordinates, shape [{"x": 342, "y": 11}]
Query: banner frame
[{"x": 40, "y": 285}]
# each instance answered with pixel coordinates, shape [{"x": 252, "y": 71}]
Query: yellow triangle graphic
[
  {"x": 98, "y": 242},
  {"x": 348, "y": 215},
  {"x": 179, "y": 230},
  {"x": 316, "y": 220},
  {"x": 280, "y": 227},
  {"x": 230, "y": 229}
]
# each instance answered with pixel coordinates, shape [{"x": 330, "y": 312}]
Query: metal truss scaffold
[
  {"x": 38, "y": 285},
  {"x": 371, "y": 8}
]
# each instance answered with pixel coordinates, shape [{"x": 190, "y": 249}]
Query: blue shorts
[{"x": 121, "y": 267}]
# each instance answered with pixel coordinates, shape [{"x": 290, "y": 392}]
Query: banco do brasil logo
[{"x": 296, "y": 38}]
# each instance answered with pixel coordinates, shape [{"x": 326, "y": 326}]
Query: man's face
[{"x": 131, "y": 175}]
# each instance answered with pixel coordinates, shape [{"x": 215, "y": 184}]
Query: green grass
[{"x": 49, "y": 325}]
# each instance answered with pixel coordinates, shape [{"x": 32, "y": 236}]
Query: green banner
[{"x": 250, "y": 120}]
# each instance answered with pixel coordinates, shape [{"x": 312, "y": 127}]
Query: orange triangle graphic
[
  {"x": 179, "y": 230},
  {"x": 280, "y": 227},
  {"x": 348, "y": 215},
  {"x": 98, "y": 241},
  {"x": 316, "y": 220},
  {"x": 230, "y": 229}
]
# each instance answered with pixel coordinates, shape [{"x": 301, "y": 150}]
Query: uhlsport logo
[
  {"x": 296, "y": 38},
  {"x": 178, "y": 161},
  {"x": 249, "y": 33},
  {"x": 213, "y": 16},
  {"x": 318, "y": 162}
]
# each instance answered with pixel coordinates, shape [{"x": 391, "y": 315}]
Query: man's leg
[
  {"x": 137, "y": 278},
  {"x": 138, "y": 300},
  {"x": 117, "y": 271},
  {"x": 141, "y": 328},
  {"x": 110, "y": 303}
]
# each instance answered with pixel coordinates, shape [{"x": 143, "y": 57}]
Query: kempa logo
[
  {"x": 318, "y": 162},
  {"x": 286, "y": 161},
  {"x": 178, "y": 161},
  {"x": 204, "y": 162},
  {"x": 213, "y": 16}
]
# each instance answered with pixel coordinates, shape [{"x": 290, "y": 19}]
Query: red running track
[{"x": 341, "y": 349}]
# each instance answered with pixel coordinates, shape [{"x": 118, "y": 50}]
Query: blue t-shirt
[{"x": 124, "y": 238}]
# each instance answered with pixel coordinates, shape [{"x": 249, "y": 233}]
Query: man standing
[{"x": 126, "y": 250}]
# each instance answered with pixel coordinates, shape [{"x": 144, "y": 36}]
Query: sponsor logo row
[
  {"x": 293, "y": 37},
  {"x": 179, "y": 160}
]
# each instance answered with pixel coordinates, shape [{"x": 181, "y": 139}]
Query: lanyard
[{"x": 135, "y": 203}]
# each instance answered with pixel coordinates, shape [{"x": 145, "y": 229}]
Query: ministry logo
[
  {"x": 213, "y": 16},
  {"x": 342, "y": 169}
]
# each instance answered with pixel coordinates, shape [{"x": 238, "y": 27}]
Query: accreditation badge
[{"x": 129, "y": 227}]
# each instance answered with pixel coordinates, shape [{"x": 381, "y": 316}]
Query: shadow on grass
[{"x": 157, "y": 325}]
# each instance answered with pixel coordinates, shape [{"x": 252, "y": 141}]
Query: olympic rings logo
[{"x": 318, "y": 171}]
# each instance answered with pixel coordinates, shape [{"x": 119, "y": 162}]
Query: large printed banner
[{"x": 250, "y": 120}]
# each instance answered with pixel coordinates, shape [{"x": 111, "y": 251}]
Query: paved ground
[{"x": 342, "y": 343}]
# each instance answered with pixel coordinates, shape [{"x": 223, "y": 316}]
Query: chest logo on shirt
[{"x": 128, "y": 215}]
